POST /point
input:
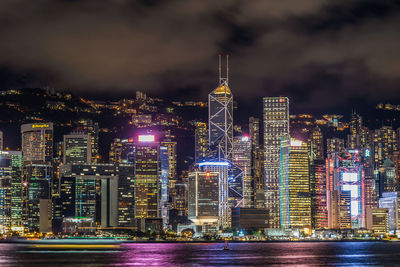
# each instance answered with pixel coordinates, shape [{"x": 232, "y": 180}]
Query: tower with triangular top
[{"x": 220, "y": 117}]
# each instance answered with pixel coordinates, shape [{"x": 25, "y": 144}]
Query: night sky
[{"x": 326, "y": 55}]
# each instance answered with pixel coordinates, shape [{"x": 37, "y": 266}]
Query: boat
[
  {"x": 71, "y": 244},
  {"x": 226, "y": 245}
]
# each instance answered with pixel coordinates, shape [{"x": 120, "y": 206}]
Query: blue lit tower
[{"x": 164, "y": 183}]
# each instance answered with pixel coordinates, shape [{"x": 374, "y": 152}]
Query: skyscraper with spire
[
  {"x": 220, "y": 141},
  {"x": 220, "y": 118}
]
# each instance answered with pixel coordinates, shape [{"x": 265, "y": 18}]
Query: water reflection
[{"x": 209, "y": 254}]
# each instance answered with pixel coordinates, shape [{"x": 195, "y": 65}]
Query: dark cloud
[{"x": 322, "y": 53}]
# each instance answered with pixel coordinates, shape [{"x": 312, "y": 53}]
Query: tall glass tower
[
  {"x": 276, "y": 126},
  {"x": 220, "y": 118},
  {"x": 295, "y": 200}
]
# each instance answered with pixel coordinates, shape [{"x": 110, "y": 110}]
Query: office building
[
  {"x": 10, "y": 191},
  {"x": 92, "y": 129},
  {"x": 36, "y": 187},
  {"x": 147, "y": 178},
  {"x": 384, "y": 144},
  {"x": 319, "y": 211},
  {"x": 334, "y": 145},
  {"x": 295, "y": 197},
  {"x": 249, "y": 219},
  {"x": 102, "y": 192},
  {"x": 317, "y": 142},
  {"x": 220, "y": 120},
  {"x": 242, "y": 160},
  {"x": 276, "y": 126},
  {"x": 169, "y": 141},
  {"x": 354, "y": 138},
  {"x": 164, "y": 181},
  {"x": 387, "y": 177},
  {"x": 378, "y": 220},
  {"x": 391, "y": 201},
  {"x": 37, "y": 148},
  {"x": 203, "y": 200},
  {"x": 122, "y": 151},
  {"x": 222, "y": 168},
  {"x": 77, "y": 148},
  {"x": 201, "y": 141},
  {"x": 345, "y": 190},
  {"x": 257, "y": 163},
  {"x": 37, "y": 142}
]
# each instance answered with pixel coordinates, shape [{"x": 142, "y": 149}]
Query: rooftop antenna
[
  {"x": 227, "y": 69},
  {"x": 219, "y": 69}
]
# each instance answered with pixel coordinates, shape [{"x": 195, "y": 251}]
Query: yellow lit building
[
  {"x": 384, "y": 144},
  {"x": 295, "y": 200},
  {"x": 201, "y": 141},
  {"x": 378, "y": 220},
  {"x": 147, "y": 178}
]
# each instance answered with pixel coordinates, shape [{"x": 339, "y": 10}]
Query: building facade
[
  {"x": 295, "y": 197},
  {"x": 276, "y": 126}
]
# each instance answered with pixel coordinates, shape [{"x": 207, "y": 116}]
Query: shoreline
[{"x": 22, "y": 241}]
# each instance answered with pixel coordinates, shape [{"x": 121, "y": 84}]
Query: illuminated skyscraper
[
  {"x": 169, "y": 141},
  {"x": 220, "y": 119},
  {"x": 37, "y": 142},
  {"x": 318, "y": 194},
  {"x": 92, "y": 129},
  {"x": 257, "y": 163},
  {"x": 242, "y": 160},
  {"x": 318, "y": 143},
  {"x": 101, "y": 192},
  {"x": 254, "y": 131},
  {"x": 201, "y": 141},
  {"x": 147, "y": 174},
  {"x": 151, "y": 179},
  {"x": 334, "y": 145},
  {"x": 10, "y": 191},
  {"x": 378, "y": 220},
  {"x": 345, "y": 190},
  {"x": 384, "y": 144},
  {"x": 276, "y": 126},
  {"x": 354, "y": 139},
  {"x": 37, "y": 148},
  {"x": 295, "y": 198},
  {"x": 164, "y": 181},
  {"x": 391, "y": 201},
  {"x": 77, "y": 148},
  {"x": 365, "y": 137},
  {"x": 36, "y": 187},
  {"x": 387, "y": 178},
  {"x": 395, "y": 158},
  {"x": 203, "y": 188},
  {"x": 259, "y": 187},
  {"x": 222, "y": 168},
  {"x": 122, "y": 151}
]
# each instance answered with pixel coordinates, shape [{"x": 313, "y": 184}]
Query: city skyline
[{"x": 187, "y": 132}]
